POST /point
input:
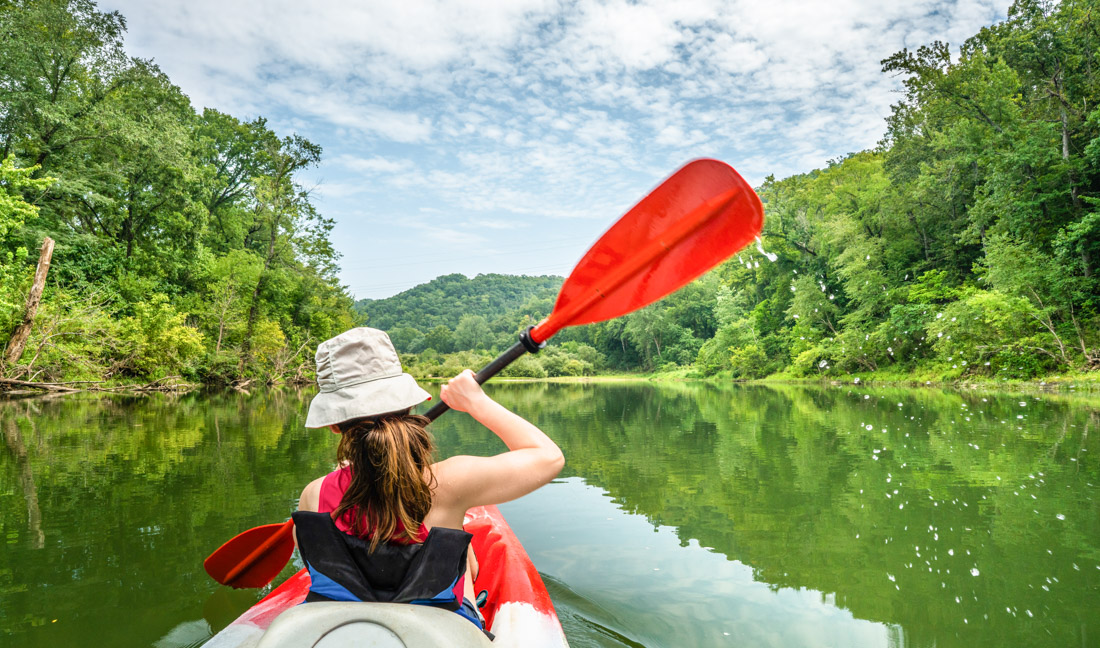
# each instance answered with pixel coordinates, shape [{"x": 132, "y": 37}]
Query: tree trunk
[
  {"x": 923, "y": 236},
  {"x": 19, "y": 337},
  {"x": 225, "y": 304},
  {"x": 254, "y": 309},
  {"x": 1075, "y": 196},
  {"x": 1061, "y": 96},
  {"x": 14, "y": 441},
  {"x": 221, "y": 331}
]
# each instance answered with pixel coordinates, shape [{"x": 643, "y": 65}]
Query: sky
[{"x": 506, "y": 135}]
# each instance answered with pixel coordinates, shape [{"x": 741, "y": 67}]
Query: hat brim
[{"x": 372, "y": 398}]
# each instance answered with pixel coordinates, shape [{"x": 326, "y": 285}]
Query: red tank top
[{"x": 332, "y": 491}]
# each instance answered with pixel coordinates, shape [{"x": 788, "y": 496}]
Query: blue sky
[{"x": 506, "y": 135}]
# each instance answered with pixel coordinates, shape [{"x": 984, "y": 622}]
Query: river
[{"x": 687, "y": 514}]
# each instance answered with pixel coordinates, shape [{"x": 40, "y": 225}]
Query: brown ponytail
[{"x": 391, "y": 458}]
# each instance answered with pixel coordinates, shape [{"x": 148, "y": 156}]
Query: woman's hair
[{"x": 391, "y": 457}]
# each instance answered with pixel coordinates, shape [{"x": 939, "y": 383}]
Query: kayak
[{"x": 518, "y": 610}]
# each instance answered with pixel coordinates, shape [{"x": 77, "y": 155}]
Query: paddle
[
  {"x": 691, "y": 222},
  {"x": 252, "y": 558}
]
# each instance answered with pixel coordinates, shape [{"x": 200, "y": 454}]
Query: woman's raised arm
[{"x": 532, "y": 460}]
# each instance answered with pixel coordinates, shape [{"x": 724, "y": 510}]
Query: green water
[{"x": 687, "y": 515}]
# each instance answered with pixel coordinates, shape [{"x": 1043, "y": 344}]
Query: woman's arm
[
  {"x": 532, "y": 460},
  {"x": 310, "y": 500}
]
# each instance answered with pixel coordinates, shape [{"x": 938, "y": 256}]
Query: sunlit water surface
[{"x": 687, "y": 515}]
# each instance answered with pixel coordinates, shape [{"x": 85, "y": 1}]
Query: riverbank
[
  {"x": 1078, "y": 382},
  {"x": 13, "y": 387}
]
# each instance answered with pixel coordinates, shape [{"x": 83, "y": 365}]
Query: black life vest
[{"x": 342, "y": 567}]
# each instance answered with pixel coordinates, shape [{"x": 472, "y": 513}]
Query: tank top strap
[{"x": 332, "y": 490}]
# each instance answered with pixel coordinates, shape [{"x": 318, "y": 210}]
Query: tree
[
  {"x": 172, "y": 229},
  {"x": 1017, "y": 268},
  {"x": 134, "y": 187},
  {"x": 231, "y": 153},
  {"x": 439, "y": 339},
  {"x": 227, "y": 291},
  {"x": 650, "y": 329},
  {"x": 282, "y": 208},
  {"x": 59, "y": 62},
  {"x": 472, "y": 332}
]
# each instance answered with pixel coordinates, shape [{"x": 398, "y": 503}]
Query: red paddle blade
[
  {"x": 690, "y": 223},
  {"x": 252, "y": 558}
]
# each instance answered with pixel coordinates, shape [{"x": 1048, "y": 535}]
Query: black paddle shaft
[{"x": 525, "y": 345}]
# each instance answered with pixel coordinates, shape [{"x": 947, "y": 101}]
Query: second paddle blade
[
  {"x": 259, "y": 569},
  {"x": 693, "y": 221}
]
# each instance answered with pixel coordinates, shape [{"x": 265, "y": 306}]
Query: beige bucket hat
[{"x": 360, "y": 375}]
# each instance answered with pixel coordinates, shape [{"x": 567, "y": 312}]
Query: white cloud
[
  {"x": 634, "y": 35},
  {"x": 485, "y": 223},
  {"x": 372, "y": 164}
]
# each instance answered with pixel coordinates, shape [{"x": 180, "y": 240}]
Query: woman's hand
[{"x": 462, "y": 392}]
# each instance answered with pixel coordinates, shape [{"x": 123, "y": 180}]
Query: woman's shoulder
[
  {"x": 323, "y": 489},
  {"x": 450, "y": 473},
  {"x": 452, "y": 466},
  {"x": 311, "y": 495}
]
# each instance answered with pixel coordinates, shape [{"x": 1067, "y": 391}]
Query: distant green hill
[{"x": 498, "y": 305}]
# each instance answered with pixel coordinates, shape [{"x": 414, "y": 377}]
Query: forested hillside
[
  {"x": 452, "y": 322},
  {"x": 184, "y": 243},
  {"x": 454, "y": 313}
]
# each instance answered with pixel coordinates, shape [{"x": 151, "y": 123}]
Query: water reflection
[
  {"x": 946, "y": 514},
  {"x": 133, "y": 493},
  {"x": 779, "y": 515}
]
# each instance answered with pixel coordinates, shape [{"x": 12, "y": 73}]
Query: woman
[{"x": 392, "y": 529}]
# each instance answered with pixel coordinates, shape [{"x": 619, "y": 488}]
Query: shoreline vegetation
[
  {"x": 1083, "y": 383},
  {"x": 963, "y": 249}
]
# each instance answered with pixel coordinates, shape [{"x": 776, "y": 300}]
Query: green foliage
[
  {"x": 659, "y": 337},
  {"x": 472, "y": 332},
  {"x": 556, "y": 360},
  {"x": 526, "y": 366},
  {"x": 14, "y": 209},
  {"x": 439, "y": 338},
  {"x": 986, "y": 179},
  {"x": 76, "y": 336},
  {"x": 748, "y": 361},
  {"x": 157, "y": 340},
  {"x": 505, "y": 305},
  {"x": 185, "y": 243},
  {"x": 810, "y": 362},
  {"x": 991, "y": 333},
  {"x": 931, "y": 288},
  {"x": 559, "y": 361}
]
